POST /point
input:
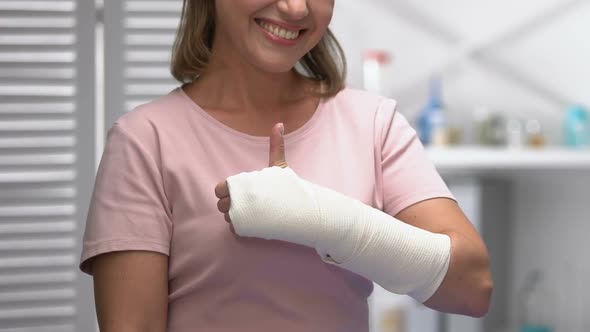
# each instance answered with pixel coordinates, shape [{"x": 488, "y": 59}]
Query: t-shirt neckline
[{"x": 289, "y": 137}]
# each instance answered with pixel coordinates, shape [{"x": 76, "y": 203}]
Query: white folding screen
[
  {"x": 46, "y": 162},
  {"x": 138, "y": 39}
]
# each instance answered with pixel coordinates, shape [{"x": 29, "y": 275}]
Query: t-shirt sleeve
[
  {"x": 128, "y": 208},
  {"x": 406, "y": 175}
]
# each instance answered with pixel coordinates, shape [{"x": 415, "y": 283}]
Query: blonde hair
[{"x": 325, "y": 63}]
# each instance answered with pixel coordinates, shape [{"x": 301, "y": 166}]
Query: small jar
[
  {"x": 534, "y": 134},
  {"x": 514, "y": 134},
  {"x": 493, "y": 130}
]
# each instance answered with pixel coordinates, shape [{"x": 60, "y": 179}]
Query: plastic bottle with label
[
  {"x": 432, "y": 122},
  {"x": 577, "y": 127}
]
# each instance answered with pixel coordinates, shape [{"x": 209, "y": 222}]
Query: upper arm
[
  {"x": 412, "y": 189},
  {"x": 444, "y": 216},
  {"x": 131, "y": 291},
  {"x": 439, "y": 215},
  {"x": 405, "y": 175},
  {"x": 129, "y": 209}
]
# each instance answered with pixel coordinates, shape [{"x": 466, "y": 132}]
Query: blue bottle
[
  {"x": 432, "y": 120},
  {"x": 577, "y": 127}
]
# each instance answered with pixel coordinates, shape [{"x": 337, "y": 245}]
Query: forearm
[{"x": 276, "y": 204}]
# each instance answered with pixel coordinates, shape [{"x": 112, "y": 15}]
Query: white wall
[{"x": 535, "y": 70}]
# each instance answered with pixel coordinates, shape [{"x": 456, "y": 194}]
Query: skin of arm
[
  {"x": 131, "y": 291},
  {"x": 468, "y": 285}
]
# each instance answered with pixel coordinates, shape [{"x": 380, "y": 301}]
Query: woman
[{"x": 340, "y": 194}]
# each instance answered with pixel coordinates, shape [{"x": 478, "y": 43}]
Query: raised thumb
[{"x": 277, "y": 147}]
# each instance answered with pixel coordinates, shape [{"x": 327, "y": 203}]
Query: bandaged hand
[{"x": 276, "y": 204}]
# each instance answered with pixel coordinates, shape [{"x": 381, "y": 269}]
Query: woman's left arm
[
  {"x": 429, "y": 250},
  {"x": 468, "y": 284}
]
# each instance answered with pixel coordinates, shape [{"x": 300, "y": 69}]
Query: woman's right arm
[{"x": 131, "y": 291}]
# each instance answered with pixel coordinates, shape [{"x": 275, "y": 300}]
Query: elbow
[
  {"x": 468, "y": 286},
  {"x": 479, "y": 303},
  {"x": 477, "y": 300},
  {"x": 468, "y": 299}
]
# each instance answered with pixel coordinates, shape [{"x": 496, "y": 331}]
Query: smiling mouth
[{"x": 278, "y": 31}]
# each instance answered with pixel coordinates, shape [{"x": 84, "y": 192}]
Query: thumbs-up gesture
[
  {"x": 273, "y": 203},
  {"x": 277, "y": 147},
  {"x": 276, "y": 158}
]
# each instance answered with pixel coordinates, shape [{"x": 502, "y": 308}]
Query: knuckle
[{"x": 225, "y": 204}]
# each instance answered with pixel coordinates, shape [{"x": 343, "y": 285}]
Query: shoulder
[
  {"x": 149, "y": 123},
  {"x": 364, "y": 109},
  {"x": 155, "y": 116},
  {"x": 370, "y": 110},
  {"x": 362, "y": 103}
]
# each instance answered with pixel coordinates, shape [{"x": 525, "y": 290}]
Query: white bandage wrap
[{"x": 276, "y": 204}]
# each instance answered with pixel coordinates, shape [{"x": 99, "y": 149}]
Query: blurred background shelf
[{"x": 475, "y": 159}]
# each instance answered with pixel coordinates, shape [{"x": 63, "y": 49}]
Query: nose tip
[{"x": 294, "y": 9}]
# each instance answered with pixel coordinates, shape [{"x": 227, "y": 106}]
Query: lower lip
[{"x": 277, "y": 39}]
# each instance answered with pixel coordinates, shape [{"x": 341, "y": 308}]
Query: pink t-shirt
[{"x": 155, "y": 191}]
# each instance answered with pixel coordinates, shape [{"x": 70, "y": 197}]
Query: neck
[{"x": 233, "y": 84}]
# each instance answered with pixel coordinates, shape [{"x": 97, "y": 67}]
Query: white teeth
[{"x": 279, "y": 32}]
